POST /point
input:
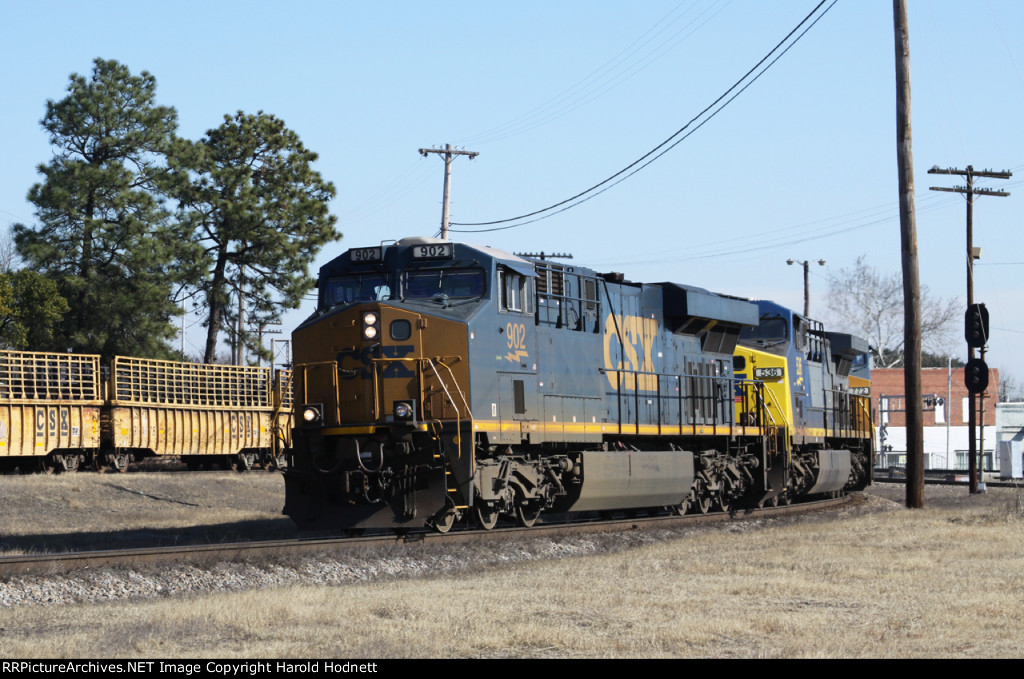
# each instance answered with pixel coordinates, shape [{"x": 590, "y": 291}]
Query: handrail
[
  {"x": 420, "y": 360},
  {"x": 716, "y": 396},
  {"x": 851, "y": 416},
  {"x": 304, "y": 367},
  {"x": 456, "y": 383}
]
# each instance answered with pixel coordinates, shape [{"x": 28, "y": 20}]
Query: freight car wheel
[
  {"x": 119, "y": 461},
  {"x": 35, "y": 465},
  {"x": 66, "y": 463},
  {"x": 245, "y": 462},
  {"x": 486, "y": 517}
]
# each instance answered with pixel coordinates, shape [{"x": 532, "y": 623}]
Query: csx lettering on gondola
[
  {"x": 48, "y": 418},
  {"x": 359, "y": 362}
]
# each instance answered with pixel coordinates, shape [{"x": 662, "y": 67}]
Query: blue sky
[{"x": 556, "y": 96}]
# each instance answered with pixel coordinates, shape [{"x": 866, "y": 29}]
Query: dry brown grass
[
  {"x": 946, "y": 581},
  {"x": 87, "y": 510}
]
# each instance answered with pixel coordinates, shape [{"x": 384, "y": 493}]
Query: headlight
[
  {"x": 312, "y": 414},
  {"x": 370, "y": 325},
  {"x": 404, "y": 410}
]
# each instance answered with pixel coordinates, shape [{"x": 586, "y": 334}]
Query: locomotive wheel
[
  {"x": 724, "y": 497},
  {"x": 701, "y": 499},
  {"x": 527, "y": 513},
  {"x": 699, "y": 502},
  {"x": 703, "y": 504},
  {"x": 444, "y": 520},
  {"x": 486, "y": 517}
]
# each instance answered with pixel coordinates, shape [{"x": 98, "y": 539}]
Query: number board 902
[
  {"x": 365, "y": 255},
  {"x": 434, "y": 251},
  {"x": 768, "y": 373}
]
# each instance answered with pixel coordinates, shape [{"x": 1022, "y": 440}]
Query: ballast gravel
[{"x": 417, "y": 560}]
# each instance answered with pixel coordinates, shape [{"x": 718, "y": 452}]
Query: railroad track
[
  {"x": 936, "y": 481},
  {"x": 68, "y": 562}
]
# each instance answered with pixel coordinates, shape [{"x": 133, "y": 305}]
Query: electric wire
[
  {"x": 611, "y": 74},
  {"x": 775, "y": 239},
  {"x": 658, "y": 151}
]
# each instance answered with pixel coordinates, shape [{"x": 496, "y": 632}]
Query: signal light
[
  {"x": 976, "y": 376},
  {"x": 976, "y": 326}
]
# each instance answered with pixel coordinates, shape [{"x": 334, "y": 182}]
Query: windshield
[
  {"x": 772, "y": 329},
  {"x": 369, "y": 287},
  {"x": 450, "y": 283}
]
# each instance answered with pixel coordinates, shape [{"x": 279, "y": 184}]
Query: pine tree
[
  {"x": 30, "y": 310},
  {"x": 103, "y": 234},
  {"x": 249, "y": 196}
]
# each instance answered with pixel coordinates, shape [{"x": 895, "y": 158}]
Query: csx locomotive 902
[{"x": 439, "y": 380}]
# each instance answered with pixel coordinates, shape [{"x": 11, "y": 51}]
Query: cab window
[
  {"x": 515, "y": 291},
  {"x": 444, "y": 283},
  {"x": 353, "y": 288}
]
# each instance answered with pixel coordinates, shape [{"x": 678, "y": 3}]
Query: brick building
[{"x": 946, "y": 438}]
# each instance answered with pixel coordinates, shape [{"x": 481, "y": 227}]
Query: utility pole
[
  {"x": 807, "y": 282},
  {"x": 281, "y": 348},
  {"x": 449, "y": 153},
  {"x": 238, "y": 351},
  {"x": 969, "y": 191},
  {"x": 263, "y": 331},
  {"x": 908, "y": 248}
]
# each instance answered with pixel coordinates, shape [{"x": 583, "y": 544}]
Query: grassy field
[{"x": 880, "y": 581}]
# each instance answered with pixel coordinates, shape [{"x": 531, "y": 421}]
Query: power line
[
  {"x": 778, "y": 238},
  {"x": 612, "y": 73},
  {"x": 660, "y": 150},
  {"x": 634, "y": 58}
]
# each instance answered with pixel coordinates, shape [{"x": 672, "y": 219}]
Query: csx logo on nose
[{"x": 359, "y": 362}]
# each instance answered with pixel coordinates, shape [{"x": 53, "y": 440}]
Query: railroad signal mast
[{"x": 976, "y": 316}]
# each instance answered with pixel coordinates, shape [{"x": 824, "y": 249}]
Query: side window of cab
[{"x": 515, "y": 291}]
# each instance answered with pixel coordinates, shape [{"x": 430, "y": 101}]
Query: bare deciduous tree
[
  {"x": 1010, "y": 390},
  {"x": 870, "y": 304},
  {"x": 8, "y": 254}
]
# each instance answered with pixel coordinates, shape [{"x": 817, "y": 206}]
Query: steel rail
[{"x": 64, "y": 563}]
